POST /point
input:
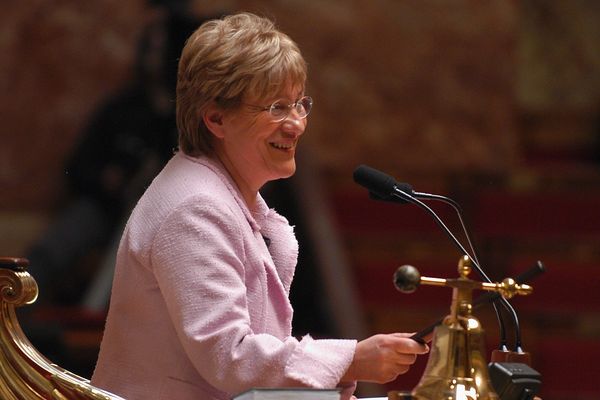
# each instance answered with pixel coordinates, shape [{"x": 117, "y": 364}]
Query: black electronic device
[{"x": 514, "y": 381}]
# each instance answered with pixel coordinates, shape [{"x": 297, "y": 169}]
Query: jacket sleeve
[{"x": 198, "y": 259}]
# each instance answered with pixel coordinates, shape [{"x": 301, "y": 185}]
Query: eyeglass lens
[{"x": 280, "y": 110}]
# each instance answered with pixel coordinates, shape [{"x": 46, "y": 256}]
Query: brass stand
[{"x": 457, "y": 366}]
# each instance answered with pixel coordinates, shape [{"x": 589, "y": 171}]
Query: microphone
[
  {"x": 382, "y": 186},
  {"x": 379, "y": 183}
]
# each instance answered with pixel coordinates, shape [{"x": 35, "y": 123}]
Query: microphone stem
[
  {"x": 405, "y": 196},
  {"x": 411, "y": 199},
  {"x": 458, "y": 209}
]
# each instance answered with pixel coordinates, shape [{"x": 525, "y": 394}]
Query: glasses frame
[{"x": 278, "y": 103}]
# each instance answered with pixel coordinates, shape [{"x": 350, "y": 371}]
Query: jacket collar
[{"x": 262, "y": 210}]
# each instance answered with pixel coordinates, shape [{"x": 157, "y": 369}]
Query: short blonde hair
[{"x": 225, "y": 61}]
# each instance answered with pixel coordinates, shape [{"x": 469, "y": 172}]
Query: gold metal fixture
[
  {"x": 25, "y": 374},
  {"x": 457, "y": 367}
]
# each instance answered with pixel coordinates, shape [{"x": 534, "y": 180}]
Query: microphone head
[
  {"x": 376, "y": 182},
  {"x": 381, "y": 186}
]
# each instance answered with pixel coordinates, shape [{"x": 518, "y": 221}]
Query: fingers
[
  {"x": 401, "y": 334},
  {"x": 406, "y": 345},
  {"x": 381, "y": 358},
  {"x": 405, "y": 359},
  {"x": 428, "y": 338}
]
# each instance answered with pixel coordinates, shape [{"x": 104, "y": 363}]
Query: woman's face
[{"x": 254, "y": 147}]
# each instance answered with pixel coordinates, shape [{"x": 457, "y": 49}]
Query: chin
[{"x": 286, "y": 171}]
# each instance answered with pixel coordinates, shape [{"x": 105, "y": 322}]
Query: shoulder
[
  {"x": 201, "y": 219},
  {"x": 184, "y": 179},
  {"x": 187, "y": 194}
]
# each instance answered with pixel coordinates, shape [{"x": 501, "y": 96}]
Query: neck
[{"x": 248, "y": 190}]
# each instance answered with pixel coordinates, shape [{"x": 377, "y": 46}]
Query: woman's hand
[{"x": 381, "y": 358}]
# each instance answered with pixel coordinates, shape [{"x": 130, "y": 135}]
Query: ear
[{"x": 213, "y": 119}]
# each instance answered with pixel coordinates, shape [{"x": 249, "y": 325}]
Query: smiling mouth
[{"x": 280, "y": 146}]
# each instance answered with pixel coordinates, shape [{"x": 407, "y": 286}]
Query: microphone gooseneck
[
  {"x": 503, "y": 345},
  {"x": 382, "y": 186},
  {"x": 482, "y": 274},
  {"x": 457, "y": 208}
]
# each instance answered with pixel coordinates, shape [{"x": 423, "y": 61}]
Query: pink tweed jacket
[{"x": 199, "y": 306}]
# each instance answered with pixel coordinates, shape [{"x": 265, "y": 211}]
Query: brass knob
[{"x": 407, "y": 278}]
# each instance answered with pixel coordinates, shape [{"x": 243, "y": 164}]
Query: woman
[{"x": 200, "y": 307}]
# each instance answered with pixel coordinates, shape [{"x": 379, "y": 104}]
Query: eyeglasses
[{"x": 279, "y": 110}]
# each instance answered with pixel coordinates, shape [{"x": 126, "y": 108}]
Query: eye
[
  {"x": 304, "y": 105},
  {"x": 279, "y": 108},
  {"x": 278, "y": 105}
]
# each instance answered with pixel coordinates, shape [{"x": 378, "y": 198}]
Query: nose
[{"x": 293, "y": 124}]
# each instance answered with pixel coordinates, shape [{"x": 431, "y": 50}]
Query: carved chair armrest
[{"x": 24, "y": 372}]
